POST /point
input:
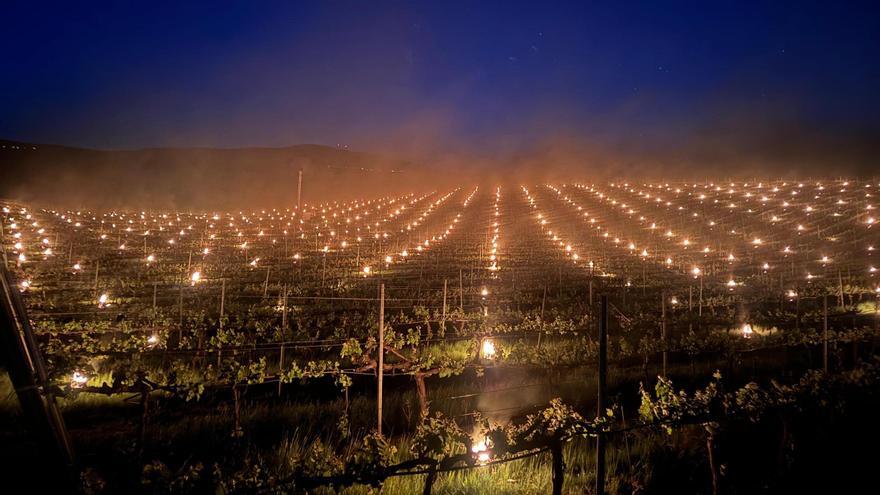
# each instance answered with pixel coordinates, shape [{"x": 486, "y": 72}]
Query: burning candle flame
[{"x": 487, "y": 349}]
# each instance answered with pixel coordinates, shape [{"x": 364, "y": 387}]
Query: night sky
[{"x": 483, "y": 76}]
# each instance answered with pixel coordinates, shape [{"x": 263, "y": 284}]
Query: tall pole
[
  {"x": 97, "y": 271},
  {"x": 600, "y": 408},
  {"x": 701, "y": 298},
  {"x": 29, "y": 377},
  {"x": 443, "y": 319},
  {"x": 222, "y": 300},
  {"x": 180, "y": 311},
  {"x": 591, "y": 295},
  {"x": 280, "y": 368},
  {"x": 460, "y": 292},
  {"x": 663, "y": 330},
  {"x": 690, "y": 299},
  {"x": 284, "y": 313},
  {"x": 299, "y": 190},
  {"x": 543, "y": 302},
  {"x": 381, "y": 367},
  {"x": 266, "y": 283}
]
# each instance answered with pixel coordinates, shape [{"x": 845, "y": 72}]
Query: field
[{"x": 239, "y": 352}]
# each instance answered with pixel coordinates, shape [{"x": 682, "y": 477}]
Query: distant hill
[{"x": 193, "y": 178}]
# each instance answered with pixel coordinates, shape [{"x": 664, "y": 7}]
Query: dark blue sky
[{"x": 470, "y": 75}]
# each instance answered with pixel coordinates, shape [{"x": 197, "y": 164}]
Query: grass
[
  {"x": 279, "y": 429},
  {"x": 624, "y": 460},
  {"x": 287, "y": 428}
]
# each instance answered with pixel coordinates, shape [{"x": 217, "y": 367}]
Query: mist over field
[
  {"x": 265, "y": 177},
  {"x": 196, "y": 178}
]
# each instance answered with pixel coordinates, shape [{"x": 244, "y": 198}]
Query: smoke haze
[{"x": 165, "y": 106}]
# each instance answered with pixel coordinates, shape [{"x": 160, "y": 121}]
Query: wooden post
[
  {"x": 180, "y": 316},
  {"x": 443, "y": 318},
  {"x": 222, "y": 300},
  {"x": 280, "y": 367},
  {"x": 543, "y": 302},
  {"x": 541, "y": 331},
  {"x": 381, "y": 365},
  {"x": 600, "y": 407},
  {"x": 97, "y": 270},
  {"x": 266, "y": 282},
  {"x": 284, "y": 313},
  {"x": 591, "y": 294},
  {"x": 690, "y": 299},
  {"x": 701, "y": 296},
  {"x": 460, "y": 292},
  {"x": 429, "y": 480},
  {"x": 710, "y": 449},
  {"x": 558, "y": 465},
  {"x": 663, "y": 330}
]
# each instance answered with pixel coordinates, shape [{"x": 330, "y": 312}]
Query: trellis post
[
  {"x": 460, "y": 291},
  {"x": 443, "y": 319},
  {"x": 663, "y": 329},
  {"x": 222, "y": 301},
  {"x": 280, "y": 368},
  {"x": 600, "y": 407},
  {"x": 284, "y": 312},
  {"x": 381, "y": 366},
  {"x": 266, "y": 282},
  {"x": 97, "y": 270}
]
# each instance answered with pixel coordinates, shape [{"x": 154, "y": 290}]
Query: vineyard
[{"x": 548, "y": 338}]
